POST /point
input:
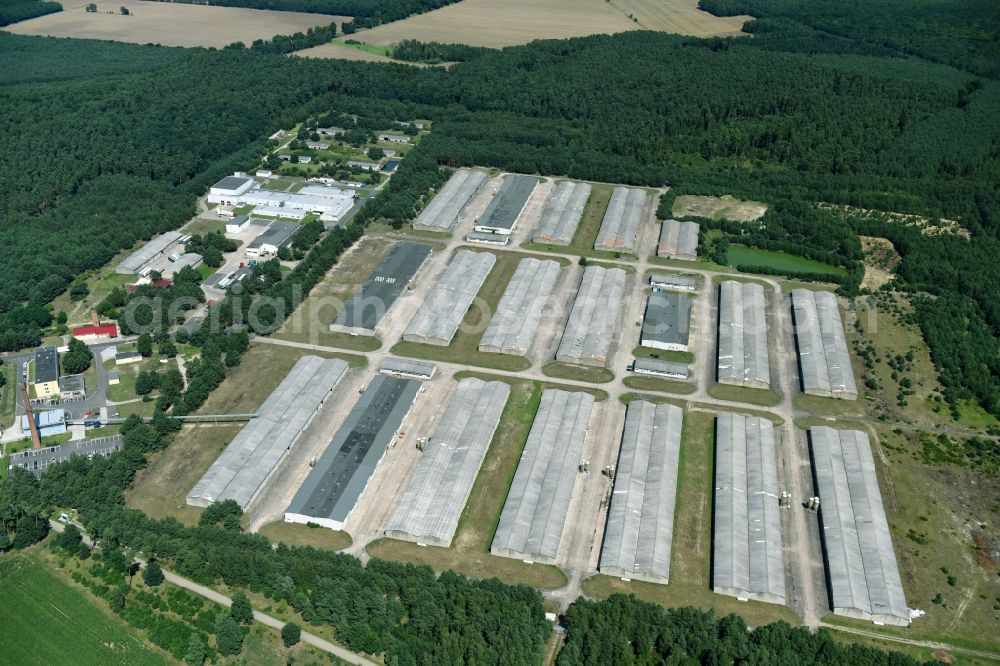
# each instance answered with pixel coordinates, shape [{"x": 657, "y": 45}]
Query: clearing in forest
[
  {"x": 170, "y": 24},
  {"x": 718, "y": 208},
  {"x": 881, "y": 260}
]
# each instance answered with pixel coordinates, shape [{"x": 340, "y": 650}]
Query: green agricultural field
[
  {"x": 739, "y": 255},
  {"x": 47, "y": 621}
]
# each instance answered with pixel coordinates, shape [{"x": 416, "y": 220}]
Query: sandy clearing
[
  {"x": 718, "y": 208},
  {"x": 170, "y": 24}
]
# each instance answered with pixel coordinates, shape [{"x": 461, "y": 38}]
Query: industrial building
[
  {"x": 238, "y": 224},
  {"x": 72, "y": 386},
  {"x": 862, "y": 574},
  {"x": 368, "y": 307},
  {"x": 330, "y": 203},
  {"x": 678, "y": 240},
  {"x": 331, "y": 491},
  {"x": 46, "y": 380},
  {"x": 639, "y": 531},
  {"x": 660, "y": 368},
  {"x": 513, "y": 325},
  {"x": 562, "y": 212},
  {"x": 440, "y": 315},
  {"x": 49, "y": 422},
  {"x": 177, "y": 263},
  {"x": 487, "y": 239},
  {"x": 824, "y": 360},
  {"x": 37, "y": 461},
  {"x": 429, "y": 510},
  {"x": 228, "y": 190},
  {"x": 504, "y": 211},
  {"x": 531, "y": 523},
  {"x": 678, "y": 282},
  {"x": 278, "y": 234},
  {"x": 747, "y": 556},
  {"x": 408, "y": 368},
  {"x": 667, "y": 322},
  {"x": 590, "y": 329},
  {"x": 246, "y": 464},
  {"x": 621, "y": 220},
  {"x": 143, "y": 258},
  {"x": 743, "y": 358},
  {"x": 443, "y": 211}
]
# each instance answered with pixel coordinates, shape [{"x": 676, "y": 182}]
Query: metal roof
[
  {"x": 562, "y": 212},
  {"x": 192, "y": 259},
  {"x": 366, "y": 309},
  {"x": 487, "y": 238},
  {"x": 231, "y": 183},
  {"x": 405, "y": 366},
  {"x": 621, "y": 220},
  {"x": 824, "y": 360},
  {"x": 639, "y": 531},
  {"x": 37, "y": 461},
  {"x": 443, "y": 210},
  {"x": 243, "y": 467},
  {"x": 151, "y": 250},
  {"x": 748, "y": 560},
  {"x": 430, "y": 508},
  {"x": 659, "y": 367},
  {"x": 743, "y": 357},
  {"x": 861, "y": 565},
  {"x": 440, "y": 315},
  {"x": 682, "y": 281},
  {"x": 46, "y": 365},
  {"x": 667, "y": 319},
  {"x": 594, "y": 317},
  {"x": 678, "y": 240},
  {"x": 503, "y": 211},
  {"x": 534, "y": 513},
  {"x": 277, "y": 234},
  {"x": 334, "y": 485},
  {"x": 513, "y": 325},
  {"x": 71, "y": 384}
]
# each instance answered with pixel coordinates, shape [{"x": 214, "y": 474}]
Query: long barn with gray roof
[
  {"x": 678, "y": 240},
  {"x": 513, "y": 325},
  {"x": 562, "y": 212},
  {"x": 331, "y": 491},
  {"x": 742, "y": 357},
  {"x": 430, "y": 508},
  {"x": 246, "y": 464},
  {"x": 824, "y": 360},
  {"x": 621, "y": 220},
  {"x": 748, "y": 560},
  {"x": 440, "y": 315},
  {"x": 862, "y": 574},
  {"x": 532, "y": 520},
  {"x": 639, "y": 531},
  {"x": 444, "y": 209},
  {"x": 591, "y": 326}
]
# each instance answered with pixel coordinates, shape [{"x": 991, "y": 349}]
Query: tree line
[{"x": 12, "y": 11}]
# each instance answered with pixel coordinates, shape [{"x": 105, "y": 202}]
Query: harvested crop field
[
  {"x": 343, "y": 52},
  {"x": 681, "y": 17},
  {"x": 718, "y": 208},
  {"x": 170, "y": 24}
]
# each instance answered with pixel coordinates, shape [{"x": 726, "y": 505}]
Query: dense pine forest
[{"x": 12, "y": 11}]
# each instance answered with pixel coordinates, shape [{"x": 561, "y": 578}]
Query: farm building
[
  {"x": 330, "y": 131},
  {"x": 245, "y": 465},
  {"x": 513, "y": 325},
  {"x": 743, "y": 358},
  {"x": 278, "y": 234},
  {"x": 531, "y": 523},
  {"x": 177, "y": 264},
  {"x": 655, "y": 366},
  {"x": 394, "y": 138},
  {"x": 439, "y": 317},
  {"x": 135, "y": 263},
  {"x": 504, "y": 211},
  {"x": 562, "y": 212},
  {"x": 95, "y": 332},
  {"x": 590, "y": 329},
  {"x": 405, "y": 367},
  {"x": 487, "y": 239},
  {"x": 621, "y": 220},
  {"x": 229, "y": 190},
  {"x": 37, "y": 461},
  {"x": 747, "y": 557},
  {"x": 331, "y": 491},
  {"x": 429, "y": 509},
  {"x": 679, "y": 282},
  {"x": 639, "y": 532},
  {"x": 824, "y": 361},
  {"x": 363, "y": 165},
  {"x": 667, "y": 322},
  {"x": 49, "y": 422},
  {"x": 46, "y": 381},
  {"x": 442, "y": 212},
  {"x": 125, "y": 358},
  {"x": 317, "y": 145},
  {"x": 365, "y": 312},
  {"x": 862, "y": 574},
  {"x": 678, "y": 240}
]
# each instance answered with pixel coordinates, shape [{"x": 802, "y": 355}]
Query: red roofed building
[{"x": 92, "y": 331}]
